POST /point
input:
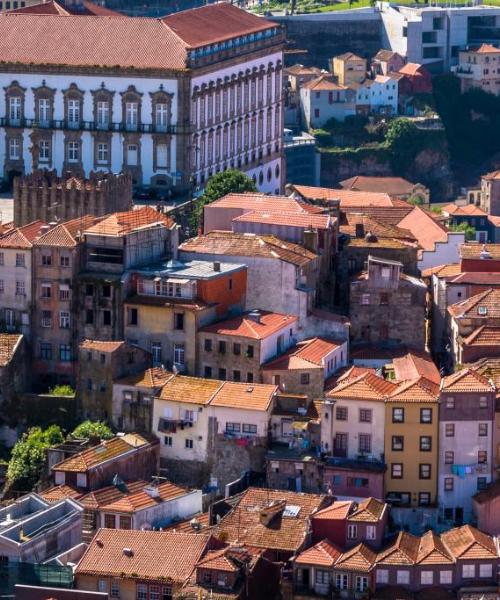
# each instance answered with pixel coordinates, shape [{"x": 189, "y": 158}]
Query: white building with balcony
[{"x": 479, "y": 68}]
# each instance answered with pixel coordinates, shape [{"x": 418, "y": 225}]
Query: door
[
  {"x": 340, "y": 445},
  {"x": 459, "y": 515}
]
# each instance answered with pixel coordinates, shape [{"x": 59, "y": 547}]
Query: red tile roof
[
  {"x": 484, "y": 336},
  {"x": 262, "y": 202},
  {"x": 365, "y": 387},
  {"x": 146, "y": 555},
  {"x": 477, "y": 278},
  {"x": 22, "y": 237},
  {"x": 416, "y": 391},
  {"x": 9, "y": 342},
  {"x": 323, "y": 83},
  {"x": 214, "y": 23},
  {"x": 296, "y": 70},
  {"x": 414, "y": 365},
  {"x": 337, "y": 511},
  {"x": 393, "y": 186},
  {"x": 485, "y": 305},
  {"x": 288, "y": 219},
  {"x": 305, "y": 355},
  {"x": 360, "y": 559},
  {"x": 468, "y": 543},
  {"x": 228, "y": 243},
  {"x": 245, "y": 326},
  {"x": 403, "y": 551},
  {"x": 66, "y": 235},
  {"x": 470, "y": 210},
  {"x": 105, "y": 347},
  {"x": 467, "y": 380},
  {"x": 150, "y": 378},
  {"x": 488, "y": 49},
  {"x": 424, "y": 226},
  {"x": 432, "y": 551},
  {"x": 411, "y": 69},
  {"x": 60, "y": 492},
  {"x": 478, "y": 251},
  {"x": 491, "y": 176},
  {"x": 121, "y": 223},
  {"x": 140, "y": 499},
  {"x": 52, "y": 7},
  {"x": 322, "y": 554},
  {"x": 442, "y": 271},
  {"x": 347, "y": 198},
  {"x": 218, "y": 560},
  {"x": 370, "y": 510}
]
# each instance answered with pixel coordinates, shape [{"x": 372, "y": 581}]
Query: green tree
[
  {"x": 230, "y": 181},
  {"x": 62, "y": 390},
  {"x": 89, "y": 429},
  {"x": 404, "y": 141},
  {"x": 29, "y": 454},
  {"x": 470, "y": 232}
]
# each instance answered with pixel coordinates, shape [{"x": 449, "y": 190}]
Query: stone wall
[{"x": 43, "y": 195}]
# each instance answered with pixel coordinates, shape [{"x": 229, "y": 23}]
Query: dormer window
[{"x": 482, "y": 310}]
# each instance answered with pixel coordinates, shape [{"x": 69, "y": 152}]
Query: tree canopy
[{"x": 89, "y": 429}]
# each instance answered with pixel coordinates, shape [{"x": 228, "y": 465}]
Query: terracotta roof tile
[
  {"x": 414, "y": 365},
  {"x": 9, "y": 342},
  {"x": 467, "y": 380},
  {"x": 196, "y": 524},
  {"x": 324, "y": 82},
  {"x": 105, "y": 347},
  {"x": 262, "y": 202},
  {"x": 96, "y": 499},
  {"x": 305, "y": 355},
  {"x": 415, "y": 391},
  {"x": 288, "y": 219},
  {"x": 424, "y": 226},
  {"x": 484, "y": 336},
  {"x": 338, "y": 510},
  {"x": 347, "y": 374},
  {"x": 469, "y": 543},
  {"x": 254, "y": 396},
  {"x": 66, "y": 234},
  {"x": 475, "y": 250},
  {"x": 22, "y": 237},
  {"x": 360, "y": 559},
  {"x": 467, "y": 210},
  {"x": 214, "y": 23},
  {"x": 393, "y": 186},
  {"x": 492, "y": 175},
  {"x": 153, "y": 555},
  {"x": 347, "y": 198},
  {"x": 385, "y": 55},
  {"x": 411, "y": 69},
  {"x": 191, "y": 390},
  {"x": 476, "y": 278},
  {"x": 404, "y": 551},
  {"x": 368, "y": 511},
  {"x": 348, "y": 56},
  {"x": 286, "y": 533},
  {"x": 51, "y": 7},
  {"x": 60, "y": 492},
  {"x": 367, "y": 387},
  {"x": 218, "y": 560},
  {"x": 121, "y": 223},
  {"x": 139, "y": 499},
  {"x": 297, "y": 70},
  {"x": 245, "y": 326},
  {"x": 220, "y": 243},
  {"x": 150, "y": 378},
  {"x": 432, "y": 551},
  {"x": 484, "y": 305},
  {"x": 488, "y": 49},
  {"x": 92, "y": 457},
  {"x": 442, "y": 270},
  {"x": 377, "y": 228},
  {"x": 322, "y": 554}
]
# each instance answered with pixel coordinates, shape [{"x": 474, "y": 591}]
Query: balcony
[
  {"x": 362, "y": 463},
  {"x": 62, "y": 124}
]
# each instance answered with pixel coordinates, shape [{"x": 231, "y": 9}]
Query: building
[
  {"x": 32, "y": 592},
  {"x": 139, "y": 505},
  {"x": 485, "y": 506},
  {"x": 490, "y": 193},
  {"x": 348, "y": 68},
  {"x": 128, "y": 564},
  {"x": 170, "y": 302},
  {"x": 275, "y": 521},
  {"x": 386, "y": 62},
  {"x": 387, "y": 306},
  {"x": 132, "y": 402},
  {"x": 16, "y": 298},
  {"x": 99, "y": 365},
  {"x": 466, "y": 412},
  {"x": 432, "y": 35},
  {"x": 15, "y": 368},
  {"x": 297, "y": 75},
  {"x": 227, "y": 82},
  {"x": 302, "y": 159},
  {"x": 43, "y": 195},
  {"x": 130, "y": 456},
  {"x": 57, "y": 260},
  {"x": 478, "y": 68},
  {"x": 414, "y": 78},
  {"x": 322, "y": 99},
  {"x": 353, "y": 435},
  {"x": 211, "y": 431},
  {"x": 411, "y": 444},
  {"x": 268, "y": 258},
  {"x": 471, "y": 215},
  {"x": 33, "y": 531},
  {"x": 395, "y": 187},
  {"x": 52, "y": 7},
  {"x": 474, "y": 326},
  {"x": 379, "y": 95},
  {"x": 244, "y": 344},
  {"x": 304, "y": 368},
  {"x": 113, "y": 246}
]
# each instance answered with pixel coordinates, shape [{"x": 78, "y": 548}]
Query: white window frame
[
  {"x": 15, "y": 149},
  {"x": 102, "y": 110},
  {"x": 43, "y": 111},
  {"x": 352, "y": 531},
  {"x": 382, "y": 576},
  {"x": 486, "y": 570},
  {"x": 427, "y": 577},
  {"x": 73, "y": 112},
  {"x": 102, "y": 153},
  {"x": 371, "y": 532},
  {"x": 44, "y": 151},
  {"x": 468, "y": 569},
  {"x": 403, "y": 576},
  {"x": 15, "y": 105},
  {"x": 73, "y": 152},
  {"x": 445, "y": 577}
]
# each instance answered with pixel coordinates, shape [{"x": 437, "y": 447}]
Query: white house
[
  {"x": 379, "y": 95},
  {"x": 323, "y": 99}
]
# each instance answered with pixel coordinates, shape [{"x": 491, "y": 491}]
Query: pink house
[{"x": 486, "y": 508}]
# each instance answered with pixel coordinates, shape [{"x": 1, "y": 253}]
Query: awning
[{"x": 300, "y": 425}]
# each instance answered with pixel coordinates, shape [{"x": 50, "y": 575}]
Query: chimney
[
  {"x": 360, "y": 230},
  {"x": 254, "y": 315},
  {"x": 217, "y": 266},
  {"x": 311, "y": 239},
  {"x": 268, "y": 513}
]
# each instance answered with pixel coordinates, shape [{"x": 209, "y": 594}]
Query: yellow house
[
  {"x": 411, "y": 443},
  {"x": 348, "y": 68}
]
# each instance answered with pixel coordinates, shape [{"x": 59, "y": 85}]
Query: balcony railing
[{"x": 86, "y": 126}]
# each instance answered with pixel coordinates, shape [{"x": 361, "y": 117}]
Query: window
[
  {"x": 365, "y": 415},
  {"x": 322, "y": 577},
  {"x": 20, "y": 259},
  {"x": 486, "y": 570},
  {"x": 482, "y": 457},
  {"x": 371, "y": 532},
  {"x": 167, "y": 440},
  {"x": 341, "y": 581},
  {"x": 64, "y": 261},
  {"x": 450, "y": 402},
  {"x": 237, "y": 349},
  {"x": 398, "y": 415},
  {"x": 448, "y": 484},
  {"x": 249, "y": 428},
  {"x": 424, "y": 471},
  {"x": 449, "y": 430},
  {"x": 125, "y": 522},
  {"x": 2, "y": 259},
  {"x": 44, "y": 151},
  {"x": 483, "y": 402},
  {"x": 102, "y": 113},
  {"x": 45, "y": 351},
  {"x": 20, "y": 288},
  {"x": 46, "y": 290},
  {"x": 382, "y": 576},
  {"x": 89, "y": 289},
  {"x": 352, "y": 532},
  {"x": 341, "y": 413},
  {"x": 46, "y": 318},
  {"x": 162, "y": 156},
  {"x": 233, "y": 427},
  {"x": 398, "y": 443},
  {"x": 189, "y": 444},
  {"x": 73, "y": 152},
  {"x": 154, "y": 592},
  {"x": 249, "y": 351},
  {"x": 179, "y": 321},
  {"x": 142, "y": 591},
  {"x": 15, "y": 108},
  {"x": 64, "y": 352},
  {"x": 102, "y": 585},
  {"x": 424, "y": 498},
  {"x": 236, "y": 375},
  {"x": 445, "y": 577},
  {"x": 106, "y": 317},
  {"x": 384, "y": 298},
  {"x": 468, "y": 571},
  {"x": 2, "y": 286},
  {"x": 115, "y": 589},
  {"x": 133, "y": 316},
  {"x": 425, "y": 443},
  {"x": 89, "y": 317},
  {"x": 365, "y": 443},
  {"x": 426, "y": 577},
  {"x": 304, "y": 378},
  {"x": 481, "y": 483},
  {"x": 249, "y": 377},
  {"x": 156, "y": 352},
  {"x": 361, "y": 583},
  {"x": 208, "y": 345},
  {"x": 222, "y": 347},
  {"x": 64, "y": 292},
  {"x": 426, "y": 415},
  {"x": 161, "y": 116},
  {"x": 222, "y": 374},
  {"x": 208, "y": 372},
  {"x": 365, "y": 299},
  {"x": 179, "y": 354},
  {"x": 102, "y": 153},
  {"x": 64, "y": 318},
  {"x": 397, "y": 471},
  {"x": 109, "y": 521},
  {"x": 483, "y": 429},
  {"x": 106, "y": 291},
  {"x": 403, "y": 577},
  {"x": 14, "y": 149},
  {"x": 131, "y": 113},
  {"x": 74, "y": 112}
]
